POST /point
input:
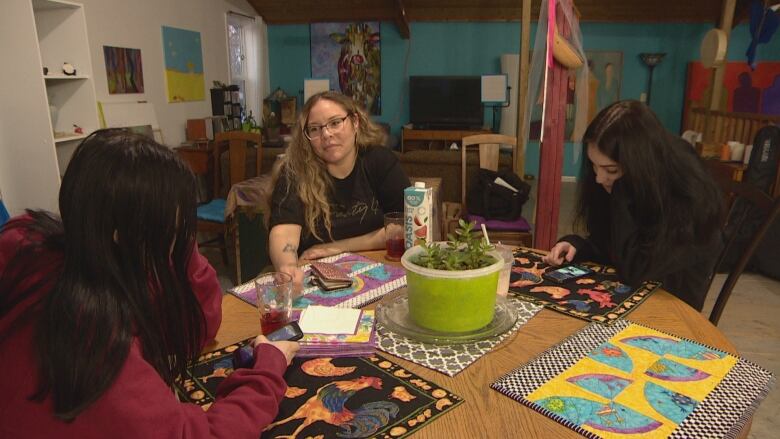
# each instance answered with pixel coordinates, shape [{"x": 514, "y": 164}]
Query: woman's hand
[
  {"x": 560, "y": 253},
  {"x": 297, "y": 277},
  {"x": 318, "y": 251},
  {"x": 288, "y": 348}
]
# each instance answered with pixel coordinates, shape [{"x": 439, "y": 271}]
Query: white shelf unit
[{"x": 33, "y": 105}]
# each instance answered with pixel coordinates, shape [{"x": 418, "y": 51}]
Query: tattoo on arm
[{"x": 289, "y": 248}]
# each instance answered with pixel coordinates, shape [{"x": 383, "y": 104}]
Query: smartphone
[
  {"x": 566, "y": 273},
  {"x": 245, "y": 357},
  {"x": 288, "y": 332}
]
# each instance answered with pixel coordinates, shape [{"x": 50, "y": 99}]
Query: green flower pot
[{"x": 451, "y": 301}]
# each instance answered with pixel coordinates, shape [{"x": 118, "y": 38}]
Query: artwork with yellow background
[
  {"x": 183, "y": 65},
  {"x": 634, "y": 381}
]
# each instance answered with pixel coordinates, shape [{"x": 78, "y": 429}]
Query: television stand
[{"x": 412, "y": 140}]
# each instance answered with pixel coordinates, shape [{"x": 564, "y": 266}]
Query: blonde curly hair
[{"x": 306, "y": 171}]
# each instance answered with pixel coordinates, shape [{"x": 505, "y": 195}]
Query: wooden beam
[
  {"x": 726, "y": 20},
  {"x": 401, "y": 21},
  {"x": 522, "y": 88},
  {"x": 656, "y": 11},
  {"x": 551, "y": 149}
]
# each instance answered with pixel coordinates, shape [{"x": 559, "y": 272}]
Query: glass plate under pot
[{"x": 393, "y": 315}]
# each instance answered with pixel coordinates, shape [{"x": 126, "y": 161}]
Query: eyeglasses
[{"x": 334, "y": 126}]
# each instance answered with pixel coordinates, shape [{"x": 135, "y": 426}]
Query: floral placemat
[
  {"x": 351, "y": 397},
  {"x": 626, "y": 380},
  {"x": 598, "y": 297},
  {"x": 372, "y": 281},
  {"x": 450, "y": 359}
]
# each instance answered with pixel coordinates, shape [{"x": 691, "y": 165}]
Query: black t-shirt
[{"x": 358, "y": 202}]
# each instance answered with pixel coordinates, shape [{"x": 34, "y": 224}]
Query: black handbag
[{"x": 493, "y": 201}]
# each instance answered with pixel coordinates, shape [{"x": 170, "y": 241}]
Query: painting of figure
[
  {"x": 349, "y": 55},
  {"x": 605, "y": 76},
  {"x": 744, "y": 90}
]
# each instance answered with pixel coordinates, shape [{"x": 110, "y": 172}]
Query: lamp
[
  {"x": 495, "y": 91},
  {"x": 651, "y": 60}
]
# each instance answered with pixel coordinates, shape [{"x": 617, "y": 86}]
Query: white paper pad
[{"x": 317, "y": 319}]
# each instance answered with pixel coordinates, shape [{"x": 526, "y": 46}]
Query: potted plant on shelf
[{"x": 452, "y": 285}]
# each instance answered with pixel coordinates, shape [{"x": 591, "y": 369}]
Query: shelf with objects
[
  {"x": 50, "y": 102},
  {"x": 412, "y": 139},
  {"x": 67, "y": 73}
]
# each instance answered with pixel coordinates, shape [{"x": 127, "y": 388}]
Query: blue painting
[{"x": 183, "y": 65}]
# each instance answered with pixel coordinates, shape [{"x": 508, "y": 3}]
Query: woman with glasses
[{"x": 335, "y": 183}]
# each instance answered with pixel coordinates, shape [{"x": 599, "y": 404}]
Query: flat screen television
[{"x": 445, "y": 102}]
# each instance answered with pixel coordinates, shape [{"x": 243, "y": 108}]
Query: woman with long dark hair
[
  {"x": 103, "y": 308},
  {"x": 648, "y": 204}
]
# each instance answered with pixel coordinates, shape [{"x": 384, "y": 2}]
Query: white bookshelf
[{"x": 34, "y": 148}]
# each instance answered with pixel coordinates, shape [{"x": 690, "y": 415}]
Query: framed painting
[
  {"x": 348, "y": 54},
  {"x": 124, "y": 70},
  {"x": 605, "y": 77},
  {"x": 744, "y": 90},
  {"x": 183, "y": 65}
]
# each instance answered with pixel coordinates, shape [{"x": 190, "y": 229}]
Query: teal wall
[{"x": 440, "y": 48}]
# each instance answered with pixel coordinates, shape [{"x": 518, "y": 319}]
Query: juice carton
[{"x": 420, "y": 215}]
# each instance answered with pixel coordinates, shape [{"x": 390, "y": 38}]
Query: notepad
[{"x": 329, "y": 320}]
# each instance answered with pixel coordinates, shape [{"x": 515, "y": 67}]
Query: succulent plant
[{"x": 462, "y": 251}]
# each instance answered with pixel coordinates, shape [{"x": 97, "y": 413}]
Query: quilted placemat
[
  {"x": 372, "y": 281},
  {"x": 628, "y": 379},
  {"x": 450, "y": 359},
  {"x": 384, "y": 399},
  {"x": 598, "y": 297}
]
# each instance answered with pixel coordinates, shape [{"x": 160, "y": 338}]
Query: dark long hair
[
  {"x": 127, "y": 230},
  {"x": 674, "y": 199}
]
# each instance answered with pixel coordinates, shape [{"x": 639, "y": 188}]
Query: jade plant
[{"x": 463, "y": 251}]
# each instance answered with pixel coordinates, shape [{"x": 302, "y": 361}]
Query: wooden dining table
[{"x": 487, "y": 413}]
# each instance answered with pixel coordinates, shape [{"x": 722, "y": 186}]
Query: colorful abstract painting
[
  {"x": 334, "y": 397},
  {"x": 372, "y": 280},
  {"x": 744, "y": 90},
  {"x": 124, "y": 70},
  {"x": 598, "y": 297},
  {"x": 348, "y": 54},
  {"x": 628, "y": 380},
  {"x": 183, "y": 65}
]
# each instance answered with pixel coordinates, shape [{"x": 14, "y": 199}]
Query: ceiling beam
[{"x": 401, "y": 21}]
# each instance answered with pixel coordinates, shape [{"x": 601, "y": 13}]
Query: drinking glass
[
  {"x": 394, "y": 235},
  {"x": 274, "y": 300}
]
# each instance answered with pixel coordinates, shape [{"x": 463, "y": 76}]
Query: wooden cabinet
[
  {"x": 39, "y": 111},
  {"x": 433, "y": 139},
  {"x": 735, "y": 171}
]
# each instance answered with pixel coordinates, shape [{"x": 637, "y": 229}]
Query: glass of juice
[
  {"x": 394, "y": 235},
  {"x": 274, "y": 300}
]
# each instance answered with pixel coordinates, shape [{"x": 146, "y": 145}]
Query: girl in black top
[
  {"x": 649, "y": 206},
  {"x": 334, "y": 185}
]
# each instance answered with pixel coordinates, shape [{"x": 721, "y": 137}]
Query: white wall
[{"x": 138, "y": 24}]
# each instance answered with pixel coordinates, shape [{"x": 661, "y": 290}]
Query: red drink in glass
[
  {"x": 272, "y": 320},
  {"x": 395, "y": 248}
]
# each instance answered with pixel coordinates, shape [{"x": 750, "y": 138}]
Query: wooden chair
[
  {"x": 211, "y": 215},
  {"x": 508, "y": 232},
  {"x": 745, "y": 201}
]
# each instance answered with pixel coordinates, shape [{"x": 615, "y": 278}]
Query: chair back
[
  {"x": 745, "y": 201},
  {"x": 489, "y": 149},
  {"x": 237, "y": 144}
]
